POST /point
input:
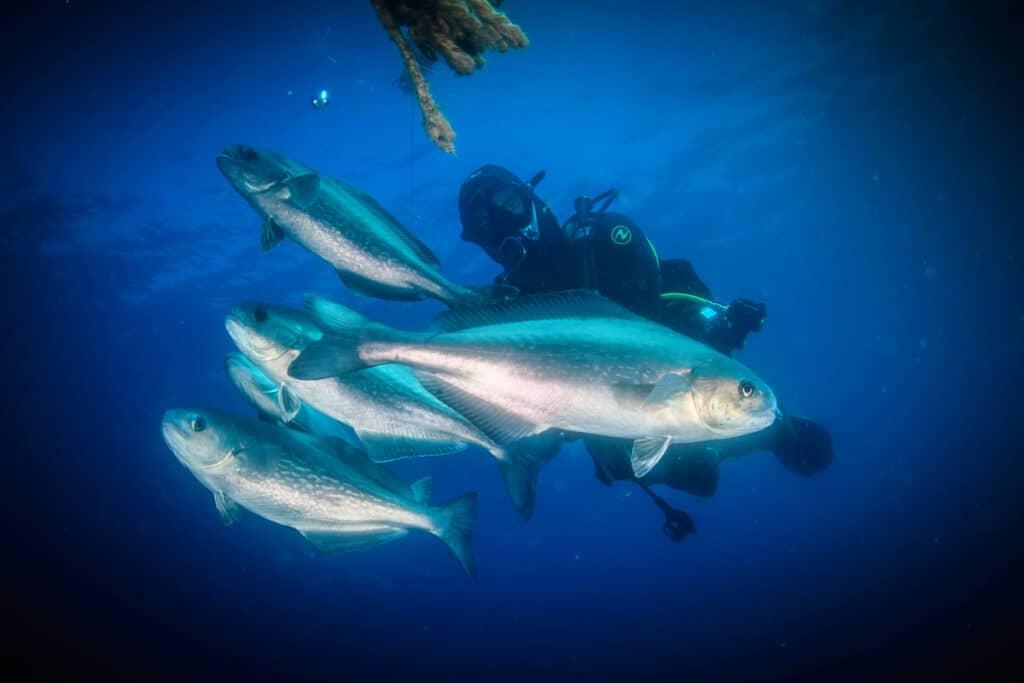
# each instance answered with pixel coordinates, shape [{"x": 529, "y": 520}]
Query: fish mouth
[
  {"x": 238, "y": 165},
  {"x": 175, "y": 436},
  {"x": 236, "y": 363},
  {"x": 227, "y": 165},
  {"x": 172, "y": 432},
  {"x": 244, "y": 339}
]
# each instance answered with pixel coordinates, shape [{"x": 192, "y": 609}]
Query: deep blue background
[{"x": 855, "y": 167}]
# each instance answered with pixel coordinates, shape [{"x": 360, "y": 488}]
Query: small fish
[
  {"x": 327, "y": 490},
  {"x": 371, "y": 251}
]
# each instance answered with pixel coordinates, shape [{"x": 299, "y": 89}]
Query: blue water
[{"x": 855, "y": 167}]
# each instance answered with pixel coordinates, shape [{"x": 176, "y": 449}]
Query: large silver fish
[
  {"x": 263, "y": 395},
  {"x": 387, "y": 408},
  {"x": 329, "y": 491},
  {"x": 573, "y": 361},
  {"x": 372, "y": 252}
]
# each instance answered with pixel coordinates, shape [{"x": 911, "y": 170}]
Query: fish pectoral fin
[
  {"x": 341, "y": 541},
  {"x": 229, "y": 510},
  {"x": 289, "y": 404},
  {"x": 304, "y": 189},
  {"x": 647, "y": 452},
  {"x": 667, "y": 388},
  {"x": 270, "y": 235}
]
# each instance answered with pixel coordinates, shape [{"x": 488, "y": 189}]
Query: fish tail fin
[
  {"x": 520, "y": 465},
  {"x": 344, "y": 332},
  {"x": 455, "y": 522},
  {"x": 481, "y": 296}
]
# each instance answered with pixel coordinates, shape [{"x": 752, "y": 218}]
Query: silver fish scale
[{"x": 299, "y": 492}]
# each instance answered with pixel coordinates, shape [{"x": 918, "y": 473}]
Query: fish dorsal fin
[
  {"x": 342, "y": 541},
  {"x": 400, "y": 231},
  {"x": 304, "y": 189},
  {"x": 422, "y": 490},
  {"x": 418, "y": 247},
  {"x": 414, "y": 242},
  {"x": 228, "y": 509},
  {"x": 357, "y": 460},
  {"x": 332, "y": 315},
  {"x": 574, "y": 303}
]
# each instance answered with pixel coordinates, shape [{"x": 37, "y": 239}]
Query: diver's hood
[{"x": 494, "y": 203}]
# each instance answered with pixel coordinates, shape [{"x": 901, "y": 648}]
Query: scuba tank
[{"x": 579, "y": 226}]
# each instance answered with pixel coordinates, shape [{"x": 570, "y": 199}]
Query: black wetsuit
[{"x": 614, "y": 257}]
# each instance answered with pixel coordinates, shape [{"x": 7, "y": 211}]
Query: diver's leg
[{"x": 611, "y": 458}]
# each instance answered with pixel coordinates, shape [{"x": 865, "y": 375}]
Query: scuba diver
[{"x": 608, "y": 252}]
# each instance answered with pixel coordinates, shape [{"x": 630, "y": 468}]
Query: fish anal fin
[
  {"x": 384, "y": 448},
  {"x": 498, "y": 425},
  {"x": 331, "y": 541},
  {"x": 521, "y": 465},
  {"x": 375, "y": 290}
]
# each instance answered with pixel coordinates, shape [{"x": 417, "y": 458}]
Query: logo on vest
[{"x": 621, "y": 235}]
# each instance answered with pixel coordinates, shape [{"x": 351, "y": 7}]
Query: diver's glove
[
  {"x": 746, "y": 316},
  {"x": 730, "y": 329}
]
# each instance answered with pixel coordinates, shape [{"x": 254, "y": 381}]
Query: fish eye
[
  {"x": 260, "y": 315},
  {"x": 746, "y": 389},
  {"x": 198, "y": 424},
  {"x": 249, "y": 154}
]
